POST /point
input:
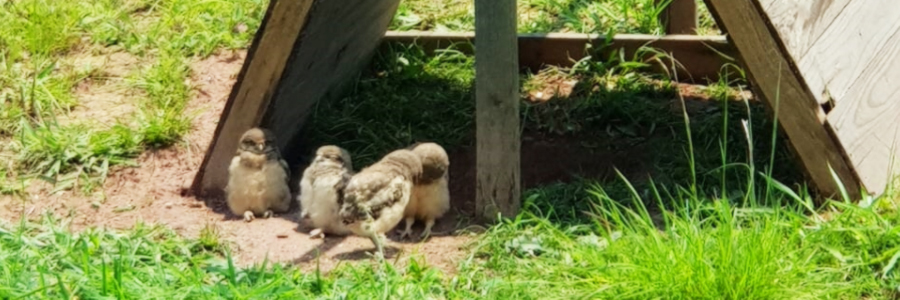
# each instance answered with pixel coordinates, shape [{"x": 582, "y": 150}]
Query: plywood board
[
  {"x": 848, "y": 55},
  {"x": 866, "y": 121},
  {"x": 846, "y": 47},
  {"x": 800, "y": 24},
  {"x": 782, "y": 87}
]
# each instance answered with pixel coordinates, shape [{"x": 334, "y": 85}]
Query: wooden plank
[
  {"x": 800, "y": 24},
  {"x": 497, "y": 134},
  {"x": 866, "y": 122},
  {"x": 782, "y": 88},
  {"x": 250, "y": 95},
  {"x": 679, "y": 17},
  {"x": 336, "y": 44},
  {"x": 847, "y": 46},
  {"x": 700, "y": 56}
]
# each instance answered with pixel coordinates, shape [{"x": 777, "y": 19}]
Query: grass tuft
[{"x": 35, "y": 35}]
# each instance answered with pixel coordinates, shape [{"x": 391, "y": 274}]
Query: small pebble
[
  {"x": 282, "y": 236},
  {"x": 168, "y": 205},
  {"x": 195, "y": 204}
]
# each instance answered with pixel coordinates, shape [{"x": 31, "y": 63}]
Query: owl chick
[
  {"x": 375, "y": 198},
  {"x": 258, "y": 177},
  {"x": 321, "y": 190},
  {"x": 431, "y": 196}
]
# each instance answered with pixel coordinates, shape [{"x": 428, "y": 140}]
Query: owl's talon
[
  {"x": 427, "y": 232},
  {"x": 248, "y": 216},
  {"x": 316, "y": 233},
  {"x": 267, "y": 214},
  {"x": 408, "y": 231}
]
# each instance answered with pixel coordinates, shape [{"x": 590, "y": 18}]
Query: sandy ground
[{"x": 153, "y": 193}]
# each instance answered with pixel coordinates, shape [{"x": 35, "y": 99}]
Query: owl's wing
[
  {"x": 287, "y": 170},
  {"x": 390, "y": 194},
  {"x": 340, "y": 185}
]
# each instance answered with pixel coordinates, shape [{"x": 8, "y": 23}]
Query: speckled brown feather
[{"x": 379, "y": 186}]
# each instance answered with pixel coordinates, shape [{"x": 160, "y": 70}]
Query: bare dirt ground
[{"x": 153, "y": 193}]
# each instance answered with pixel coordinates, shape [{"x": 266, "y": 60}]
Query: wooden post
[
  {"x": 497, "y": 110},
  {"x": 680, "y": 17}
]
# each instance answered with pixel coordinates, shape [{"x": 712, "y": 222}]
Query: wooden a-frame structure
[{"x": 309, "y": 50}]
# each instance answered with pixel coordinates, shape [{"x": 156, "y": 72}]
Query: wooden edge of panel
[{"x": 255, "y": 84}]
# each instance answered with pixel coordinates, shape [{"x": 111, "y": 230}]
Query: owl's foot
[
  {"x": 248, "y": 216},
  {"x": 408, "y": 231},
  {"x": 378, "y": 240},
  {"x": 316, "y": 233},
  {"x": 427, "y": 232}
]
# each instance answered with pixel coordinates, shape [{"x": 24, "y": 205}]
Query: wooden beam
[
  {"x": 784, "y": 90},
  {"x": 679, "y": 17},
  {"x": 498, "y": 141},
  {"x": 337, "y": 43},
  {"x": 305, "y": 51},
  {"x": 252, "y": 91},
  {"x": 702, "y": 57}
]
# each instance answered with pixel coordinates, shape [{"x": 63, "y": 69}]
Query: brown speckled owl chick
[
  {"x": 375, "y": 198},
  {"x": 431, "y": 195},
  {"x": 258, "y": 177}
]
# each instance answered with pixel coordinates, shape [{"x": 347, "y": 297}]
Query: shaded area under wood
[{"x": 701, "y": 58}]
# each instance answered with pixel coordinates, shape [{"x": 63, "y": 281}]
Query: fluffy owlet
[
  {"x": 258, "y": 177},
  {"x": 375, "y": 198},
  {"x": 321, "y": 190},
  {"x": 430, "y": 195}
]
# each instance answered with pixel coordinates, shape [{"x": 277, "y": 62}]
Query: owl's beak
[{"x": 261, "y": 146}]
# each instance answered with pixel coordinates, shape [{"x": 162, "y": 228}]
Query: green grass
[
  {"x": 724, "y": 216},
  {"x": 540, "y": 16},
  {"x": 39, "y": 37},
  {"x": 705, "y": 248}
]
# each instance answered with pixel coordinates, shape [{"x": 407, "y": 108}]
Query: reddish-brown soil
[{"x": 153, "y": 192}]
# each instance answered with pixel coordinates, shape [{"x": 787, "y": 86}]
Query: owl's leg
[
  {"x": 267, "y": 214},
  {"x": 427, "y": 232},
  {"x": 316, "y": 233},
  {"x": 248, "y": 216},
  {"x": 378, "y": 240},
  {"x": 408, "y": 231}
]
